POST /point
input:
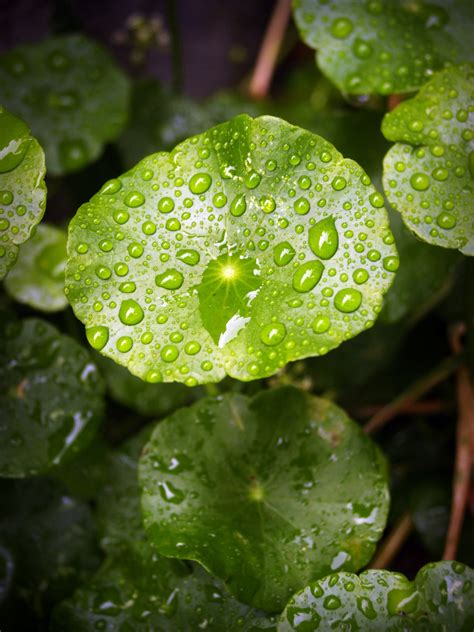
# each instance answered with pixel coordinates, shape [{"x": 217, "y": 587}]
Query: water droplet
[
  {"x": 97, "y": 337},
  {"x": 170, "y": 280},
  {"x": 341, "y": 28},
  {"x": 446, "y": 220},
  {"x": 121, "y": 216},
  {"x": 301, "y": 206},
  {"x": 323, "y": 238},
  {"x": 238, "y": 205},
  {"x": 362, "y": 49},
  {"x": 360, "y": 276},
  {"x": 307, "y": 276},
  {"x": 272, "y": 334},
  {"x": 165, "y": 205},
  {"x": 339, "y": 183},
  {"x": 188, "y": 256},
  {"x": 135, "y": 250},
  {"x": 192, "y": 347},
  {"x": 321, "y": 324},
  {"x": 376, "y": 199},
  {"x": 73, "y": 154},
  {"x": 153, "y": 376},
  {"x": 332, "y": 602},
  {"x": 252, "y": 180},
  {"x": 111, "y": 187},
  {"x": 200, "y": 183},
  {"x": 420, "y": 181},
  {"x": 391, "y": 264},
  {"x": 149, "y": 228},
  {"x": 267, "y": 204},
  {"x": 283, "y": 253},
  {"x": 130, "y": 312},
  {"x": 82, "y": 248},
  {"x": 219, "y": 200},
  {"x": 134, "y": 199},
  {"x": 348, "y": 300},
  {"x": 366, "y": 607},
  {"x": 124, "y": 344},
  {"x": 169, "y": 353}
]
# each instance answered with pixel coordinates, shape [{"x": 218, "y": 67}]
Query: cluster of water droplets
[{"x": 246, "y": 247}]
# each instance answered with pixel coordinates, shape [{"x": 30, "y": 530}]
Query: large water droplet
[
  {"x": 170, "y": 280},
  {"x": 191, "y": 257},
  {"x": 348, "y": 300},
  {"x": 323, "y": 238},
  {"x": 130, "y": 312},
  {"x": 283, "y": 253},
  {"x": 238, "y": 205},
  {"x": 97, "y": 337},
  {"x": 200, "y": 183},
  {"x": 307, "y": 276},
  {"x": 272, "y": 334}
]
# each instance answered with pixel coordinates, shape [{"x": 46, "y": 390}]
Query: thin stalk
[
  {"x": 464, "y": 459},
  {"x": 413, "y": 393},
  {"x": 211, "y": 389},
  {"x": 393, "y": 542},
  {"x": 267, "y": 57}
]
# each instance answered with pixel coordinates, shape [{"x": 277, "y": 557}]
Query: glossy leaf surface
[
  {"x": 246, "y": 247},
  {"x": 37, "y": 278},
  {"x": 384, "y": 46},
  {"x": 266, "y": 492},
  {"x": 51, "y": 400},
  {"x": 440, "y": 598},
  {"x": 71, "y": 93},
  {"x": 22, "y": 188},
  {"x": 429, "y": 173}
]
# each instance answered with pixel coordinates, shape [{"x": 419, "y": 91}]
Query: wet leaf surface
[
  {"x": 428, "y": 174},
  {"x": 22, "y": 189},
  {"x": 246, "y": 247},
  {"x": 51, "y": 401},
  {"x": 266, "y": 492},
  {"x": 384, "y": 46},
  {"x": 440, "y": 598},
  {"x": 71, "y": 93}
]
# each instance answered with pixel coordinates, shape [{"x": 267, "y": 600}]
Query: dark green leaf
[
  {"x": 37, "y": 278},
  {"x": 249, "y": 246},
  {"x": 384, "y": 46},
  {"x": 71, "y": 93},
  {"x": 22, "y": 189},
  {"x": 441, "y": 598},
  {"x": 428, "y": 174},
  {"x": 51, "y": 401},
  {"x": 267, "y": 493}
]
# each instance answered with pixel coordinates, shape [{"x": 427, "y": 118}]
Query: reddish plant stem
[
  {"x": 392, "y": 544},
  {"x": 425, "y": 407},
  {"x": 412, "y": 394},
  {"x": 263, "y": 72},
  {"x": 393, "y": 101},
  {"x": 464, "y": 459}
]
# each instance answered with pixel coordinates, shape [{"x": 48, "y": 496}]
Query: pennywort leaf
[
  {"x": 283, "y": 483},
  {"x": 429, "y": 172},
  {"x": 440, "y": 598},
  {"x": 37, "y": 279},
  {"x": 246, "y": 247},
  {"x": 384, "y": 46},
  {"x": 22, "y": 188},
  {"x": 51, "y": 400},
  {"x": 71, "y": 93}
]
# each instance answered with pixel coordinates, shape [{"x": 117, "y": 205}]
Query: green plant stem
[
  {"x": 211, "y": 389},
  {"x": 267, "y": 57},
  {"x": 413, "y": 393},
  {"x": 176, "y": 49},
  {"x": 393, "y": 542}
]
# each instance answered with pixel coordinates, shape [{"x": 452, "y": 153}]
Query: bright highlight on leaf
[
  {"x": 429, "y": 173},
  {"x": 51, "y": 400},
  {"x": 384, "y": 46},
  {"x": 22, "y": 189},
  {"x": 71, "y": 93},
  {"x": 283, "y": 482},
  {"x": 440, "y": 598},
  {"x": 37, "y": 279},
  {"x": 246, "y": 247}
]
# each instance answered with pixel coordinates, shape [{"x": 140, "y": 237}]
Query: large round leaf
[
  {"x": 440, "y": 598},
  {"x": 267, "y": 493},
  {"x": 429, "y": 173},
  {"x": 37, "y": 278},
  {"x": 249, "y": 246},
  {"x": 22, "y": 188},
  {"x": 162, "y": 595},
  {"x": 384, "y": 46},
  {"x": 51, "y": 400},
  {"x": 72, "y": 95}
]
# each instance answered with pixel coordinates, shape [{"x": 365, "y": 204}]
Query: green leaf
[
  {"x": 267, "y": 493},
  {"x": 51, "y": 539},
  {"x": 132, "y": 594},
  {"x": 37, "y": 278},
  {"x": 22, "y": 188},
  {"x": 51, "y": 401},
  {"x": 440, "y": 598},
  {"x": 424, "y": 277},
  {"x": 71, "y": 93},
  {"x": 428, "y": 174},
  {"x": 384, "y": 46},
  {"x": 149, "y": 400},
  {"x": 249, "y": 246}
]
